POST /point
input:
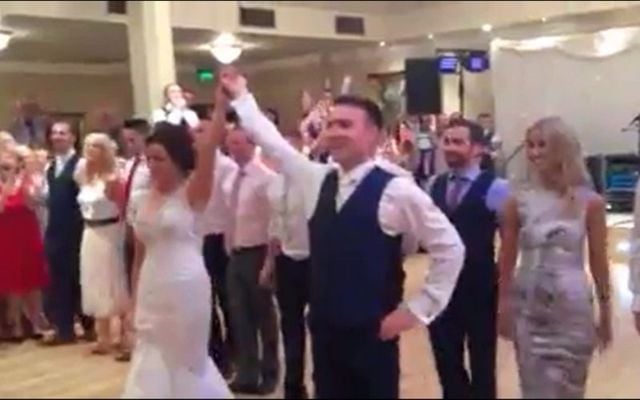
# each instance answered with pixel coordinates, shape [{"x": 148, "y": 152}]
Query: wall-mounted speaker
[{"x": 422, "y": 86}]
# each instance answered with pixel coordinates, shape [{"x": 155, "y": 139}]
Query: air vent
[
  {"x": 257, "y": 17},
  {"x": 350, "y": 25},
  {"x": 117, "y": 7}
]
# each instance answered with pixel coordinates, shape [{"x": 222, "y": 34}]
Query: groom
[{"x": 362, "y": 220}]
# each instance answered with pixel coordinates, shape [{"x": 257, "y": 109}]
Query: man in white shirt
[
  {"x": 136, "y": 178},
  {"x": 251, "y": 306},
  {"x": 362, "y": 221},
  {"x": 634, "y": 262},
  {"x": 289, "y": 256},
  {"x": 216, "y": 222}
]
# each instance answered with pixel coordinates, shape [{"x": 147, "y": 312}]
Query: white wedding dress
[{"x": 173, "y": 307}]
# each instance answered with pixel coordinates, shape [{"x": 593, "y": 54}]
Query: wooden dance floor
[{"x": 28, "y": 371}]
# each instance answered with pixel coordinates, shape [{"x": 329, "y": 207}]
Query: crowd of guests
[{"x": 320, "y": 217}]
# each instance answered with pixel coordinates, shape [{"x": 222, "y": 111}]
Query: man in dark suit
[
  {"x": 472, "y": 199},
  {"x": 63, "y": 237}
]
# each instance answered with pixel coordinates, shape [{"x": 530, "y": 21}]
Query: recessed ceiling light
[
  {"x": 543, "y": 19},
  {"x": 487, "y": 28},
  {"x": 382, "y": 44},
  {"x": 430, "y": 36}
]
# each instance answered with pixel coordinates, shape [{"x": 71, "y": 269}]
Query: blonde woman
[
  {"x": 6, "y": 141},
  {"x": 102, "y": 271},
  {"x": 547, "y": 309},
  {"x": 23, "y": 272}
]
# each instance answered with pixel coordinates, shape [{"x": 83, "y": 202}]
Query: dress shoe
[
  {"x": 268, "y": 386},
  {"x": 54, "y": 340},
  {"x": 245, "y": 388},
  {"x": 296, "y": 393}
]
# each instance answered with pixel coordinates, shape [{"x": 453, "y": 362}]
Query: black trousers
[
  {"x": 64, "y": 301},
  {"x": 292, "y": 292},
  {"x": 216, "y": 261},
  {"x": 354, "y": 364},
  {"x": 253, "y": 314},
  {"x": 469, "y": 319}
]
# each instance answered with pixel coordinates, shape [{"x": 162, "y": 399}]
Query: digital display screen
[
  {"x": 477, "y": 62},
  {"x": 448, "y": 64},
  {"x": 622, "y": 176}
]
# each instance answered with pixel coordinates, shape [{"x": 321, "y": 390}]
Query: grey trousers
[{"x": 252, "y": 314}]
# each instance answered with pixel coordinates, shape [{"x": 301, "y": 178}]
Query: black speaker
[{"x": 422, "y": 86}]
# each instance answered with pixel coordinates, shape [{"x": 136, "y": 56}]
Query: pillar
[{"x": 152, "y": 61}]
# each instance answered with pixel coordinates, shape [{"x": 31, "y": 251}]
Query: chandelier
[{"x": 226, "y": 48}]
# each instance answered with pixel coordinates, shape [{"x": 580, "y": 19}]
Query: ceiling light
[
  {"x": 430, "y": 36},
  {"x": 5, "y": 38},
  {"x": 226, "y": 48},
  {"x": 487, "y": 28},
  {"x": 382, "y": 44},
  {"x": 543, "y": 19}
]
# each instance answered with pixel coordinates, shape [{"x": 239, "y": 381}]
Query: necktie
[
  {"x": 129, "y": 184},
  {"x": 235, "y": 201},
  {"x": 458, "y": 183}
]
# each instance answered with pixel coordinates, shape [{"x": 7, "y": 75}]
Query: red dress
[{"x": 22, "y": 258}]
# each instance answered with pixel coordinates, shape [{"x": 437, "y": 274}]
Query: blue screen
[
  {"x": 448, "y": 64},
  {"x": 621, "y": 177},
  {"x": 477, "y": 63}
]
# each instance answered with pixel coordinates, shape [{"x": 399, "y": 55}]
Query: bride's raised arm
[{"x": 200, "y": 183}]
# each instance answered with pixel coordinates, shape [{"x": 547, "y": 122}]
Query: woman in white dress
[
  {"x": 102, "y": 272},
  {"x": 170, "y": 283}
]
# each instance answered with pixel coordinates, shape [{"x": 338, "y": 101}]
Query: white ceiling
[
  {"x": 583, "y": 23},
  {"x": 364, "y": 7},
  {"x": 73, "y": 41}
]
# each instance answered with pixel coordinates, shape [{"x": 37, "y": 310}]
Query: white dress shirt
[
  {"x": 140, "y": 181},
  {"x": 288, "y": 220},
  {"x": 217, "y": 214},
  {"x": 250, "y": 225},
  {"x": 60, "y": 163},
  {"x": 175, "y": 116},
  {"x": 634, "y": 259},
  {"x": 404, "y": 209}
]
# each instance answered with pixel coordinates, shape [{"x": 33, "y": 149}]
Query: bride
[{"x": 171, "y": 287}]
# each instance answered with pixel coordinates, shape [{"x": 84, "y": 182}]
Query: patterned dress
[{"x": 553, "y": 308}]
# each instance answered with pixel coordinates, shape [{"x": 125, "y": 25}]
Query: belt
[
  {"x": 247, "y": 249},
  {"x": 96, "y": 223}
]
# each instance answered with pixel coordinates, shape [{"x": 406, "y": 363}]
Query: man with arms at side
[
  {"x": 216, "y": 259},
  {"x": 63, "y": 237},
  {"x": 251, "y": 305},
  {"x": 362, "y": 220},
  {"x": 473, "y": 201}
]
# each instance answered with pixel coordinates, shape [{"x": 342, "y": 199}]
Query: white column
[{"x": 152, "y": 62}]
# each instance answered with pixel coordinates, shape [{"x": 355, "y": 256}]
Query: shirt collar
[
  {"x": 355, "y": 175},
  {"x": 63, "y": 158},
  {"x": 470, "y": 173}
]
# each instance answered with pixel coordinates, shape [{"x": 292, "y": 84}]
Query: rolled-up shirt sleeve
[
  {"x": 407, "y": 211},
  {"x": 634, "y": 259}
]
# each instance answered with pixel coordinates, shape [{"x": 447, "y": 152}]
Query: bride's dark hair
[{"x": 177, "y": 142}]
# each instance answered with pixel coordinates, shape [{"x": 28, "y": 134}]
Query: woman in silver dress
[{"x": 547, "y": 308}]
